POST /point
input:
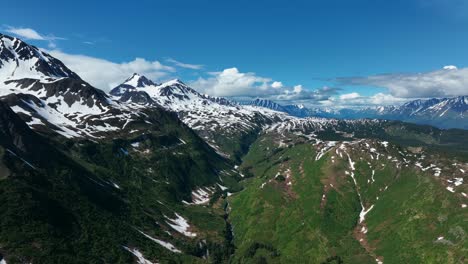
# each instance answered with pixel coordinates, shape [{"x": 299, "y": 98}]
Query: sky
[{"x": 326, "y": 53}]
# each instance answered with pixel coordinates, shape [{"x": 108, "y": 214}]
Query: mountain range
[
  {"x": 160, "y": 173},
  {"x": 440, "y": 112}
]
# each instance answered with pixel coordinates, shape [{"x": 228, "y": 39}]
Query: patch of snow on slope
[
  {"x": 140, "y": 258},
  {"x": 181, "y": 225},
  {"x": 325, "y": 149},
  {"x": 115, "y": 185},
  {"x": 384, "y": 143},
  {"x": 362, "y": 214},
  {"x": 223, "y": 188},
  {"x": 23, "y": 160},
  {"x": 164, "y": 244},
  {"x": 201, "y": 196}
]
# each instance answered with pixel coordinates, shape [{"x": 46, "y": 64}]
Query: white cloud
[
  {"x": 450, "y": 67},
  {"x": 386, "y": 99},
  {"x": 446, "y": 82},
  {"x": 27, "y": 33},
  {"x": 105, "y": 74},
  {"x": 297, "y": 88},
  {"x": 185, "y": 65},
  {"x": 277, "y": 85},
  {"x": 231, "y": 82},
  {"x": 355, "y": 100},
  {"x": 299, "y": 95},
  {"x": 31, "y": 34},
  {"x": 349, "y": 96}
]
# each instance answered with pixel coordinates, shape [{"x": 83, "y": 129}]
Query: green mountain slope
[{"x": 303, "y": 206}]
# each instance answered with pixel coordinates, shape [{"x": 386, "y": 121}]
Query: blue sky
[{"x": 316, "y": 52}]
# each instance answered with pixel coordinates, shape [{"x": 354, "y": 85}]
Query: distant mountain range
[
  {"x": 442, "y": 113},
  {"x": 294, "y": 110}
]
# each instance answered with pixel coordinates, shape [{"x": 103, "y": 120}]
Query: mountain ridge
[{"x": 440, "y": 112}]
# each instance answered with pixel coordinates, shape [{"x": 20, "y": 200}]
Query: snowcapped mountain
[
  {"x": 293, "y": 110},
  {"x": 52, "y": 98},
  {"x": 436, "y": 107},
  {"x": 171, "y": 94},
  {"x": 19, "y": 60},
  {"x": 297, "y": 110},
  {"x": 215, "y": 119},
  {"x": 267, "y": 104},
  {"x": 442, "y": 113}
]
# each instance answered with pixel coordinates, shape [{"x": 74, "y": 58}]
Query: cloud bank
[
  {"x": 185, "y": 65},
  {"x": 446, "y": 82},
  {"x": 236, "y": 84},
  {"x": 105, "y": 74},
  {"x": 355, "y": 100},
  {"x": 31, "y": 34}
]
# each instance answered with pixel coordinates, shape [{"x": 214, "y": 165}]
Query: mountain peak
[
  {"x": 138, "y": 80},
  {"x": 173, "y": 82},
  {"x": 19, "y": 60},
  {"x": 267, "y": 104},
  {"x": 300, "y": 106}
]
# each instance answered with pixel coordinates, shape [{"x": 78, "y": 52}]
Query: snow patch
[
  {"x": 201, "y": 196},
  {"x": 362, "y": 214},
  {"x": 325, "y": 149},
  {"x": 180, "y": 225},
  {"x": 164, "y": 244},
  {"x": 384, "y": 143},
  {"x": 222, "y": 187},
  {"x": 140, "y": 258},
  {"x": 458, "y": 181}
]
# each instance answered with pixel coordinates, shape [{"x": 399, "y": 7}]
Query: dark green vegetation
[{"x": 67, "y": 201}]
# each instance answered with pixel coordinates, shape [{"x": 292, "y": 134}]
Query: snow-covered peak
[
  {"x": 137, "y": 80},
  {"x": 300, "y": 106},
  {"x": 173, "y": 93},
  {"x": 172, "y": 83},
  {"x": 19, "y": 60},
  {"x": 50, "y": 97},
  {"x": 267, "y": 104}
]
